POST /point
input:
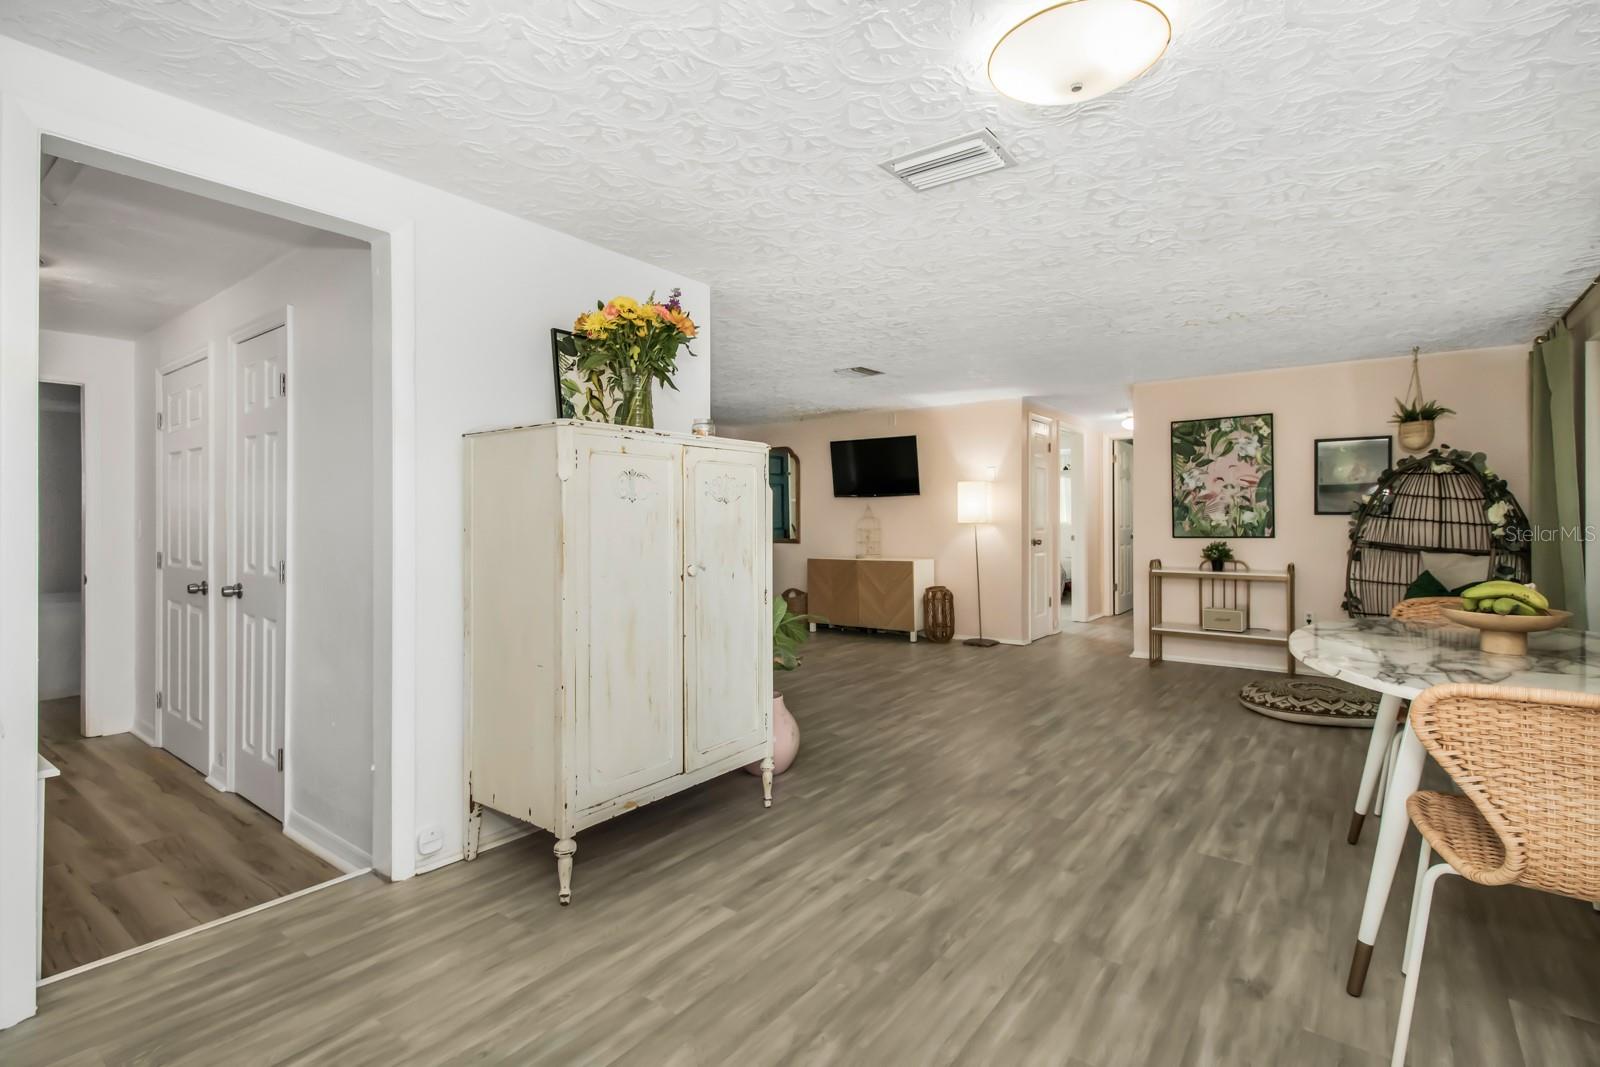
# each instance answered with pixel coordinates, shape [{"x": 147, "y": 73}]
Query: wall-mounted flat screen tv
[{"x": 876, "y": 466}]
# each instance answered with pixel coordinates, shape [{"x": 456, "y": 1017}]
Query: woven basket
[
  {"x": 796, "y": 599},
  {"x": 938, "y": 614}
]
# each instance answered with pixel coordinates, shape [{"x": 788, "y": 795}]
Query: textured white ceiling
[
  {"x": 122, "y": 256},
  {"x": 1296, "y": 181}
]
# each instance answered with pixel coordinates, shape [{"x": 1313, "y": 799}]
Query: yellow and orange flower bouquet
[{"x": 637, "y": 343}]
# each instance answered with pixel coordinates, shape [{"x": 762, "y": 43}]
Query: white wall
[
  {"x": 476, "y": 293},
  {"x": 105, "y": 369},
  {"x": 330, "y": 742}
]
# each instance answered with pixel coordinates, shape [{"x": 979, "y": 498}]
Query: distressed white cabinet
[{"x": 618, "y": 614}]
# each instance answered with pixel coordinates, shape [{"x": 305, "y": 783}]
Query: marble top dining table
[
  {"x": 1400, "y": 660},
  {"x": 1403, "y": 658}
]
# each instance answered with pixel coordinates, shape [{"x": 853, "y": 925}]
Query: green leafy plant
[
  {"x": 1217, "y": 552},
  {"x": 1418, "y": 410},
  {"x": 789, "y": 632}
]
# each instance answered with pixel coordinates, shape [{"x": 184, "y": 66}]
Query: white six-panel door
[
  {"x": 626, "y": 565},
  {"x": 260, "y": 531},
  {"x": 185, "y": 531},
  {"x": 724, "y": 619}
]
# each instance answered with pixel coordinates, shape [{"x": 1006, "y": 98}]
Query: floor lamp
[{"x": 972, "y": 509}]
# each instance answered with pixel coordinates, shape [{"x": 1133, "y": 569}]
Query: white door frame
[
  {"x": 1080, "y": 559},
  {"x": 85, "y": 718},
  {"x": 1052, "y": 526},
  {"x": 1111, "y": 480},
  {"x": 184, "y": 159}
]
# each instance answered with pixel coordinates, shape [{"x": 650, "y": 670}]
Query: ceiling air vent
[
  {"x": 950, "y": 161},
  {"x": 857, "y": 372}
]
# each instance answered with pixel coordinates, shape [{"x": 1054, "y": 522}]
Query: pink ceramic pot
[{"x": 785, "y": 738}]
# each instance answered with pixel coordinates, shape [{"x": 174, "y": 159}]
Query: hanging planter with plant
[{"x": 1414, "y": 416}]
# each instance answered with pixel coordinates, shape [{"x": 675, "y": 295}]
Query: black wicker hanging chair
[{"x": 1446, "y": 500}]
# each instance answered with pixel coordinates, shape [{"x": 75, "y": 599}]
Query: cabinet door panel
[
  {"x": 886, "y": 595},
  {"x": 831, "y": 590},
  {"x": 626, "y": 577},
  {"x": 726, "y": 618}
]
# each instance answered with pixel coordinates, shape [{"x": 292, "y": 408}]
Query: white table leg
[
  {"x": 1403, "y": 781},
  {"x": 1377, "y": 749}
]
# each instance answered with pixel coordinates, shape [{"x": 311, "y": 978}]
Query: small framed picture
[
  {"x": 579, "y": 395},
  {"x": 1347, "y": 469}
]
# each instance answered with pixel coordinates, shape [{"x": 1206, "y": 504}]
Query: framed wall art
[
  {"x": 1347, "y": 468},
  {"x": 590, "y": 395},
  {"x": 1222, "y": 483}
]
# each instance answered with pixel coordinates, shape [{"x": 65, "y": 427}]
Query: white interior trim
[
  {"x": 95, "y": 136},
  {"x": 321, "y": 841},
  {"x": 181, "y": 934}
]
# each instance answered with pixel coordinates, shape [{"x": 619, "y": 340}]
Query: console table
[
  {"x": 1214, "y": 583},
  {"x": 875, "y": 594}
]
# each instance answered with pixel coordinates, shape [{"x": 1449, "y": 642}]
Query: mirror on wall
[{"x": 783, "y": 473}]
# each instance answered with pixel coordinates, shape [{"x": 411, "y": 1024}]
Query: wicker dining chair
[{"x": 1528, "y": 764}]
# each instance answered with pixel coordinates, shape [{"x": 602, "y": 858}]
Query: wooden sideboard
[{"x": 875, "y": 594}]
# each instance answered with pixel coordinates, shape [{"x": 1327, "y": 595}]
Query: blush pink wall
[
  {"x": 1487, "y": 387},
  {"x": 964, "y": 443}
]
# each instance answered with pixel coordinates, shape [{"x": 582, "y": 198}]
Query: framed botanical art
[
  {"x": 1348, "y": 468},
  {"x": 1222, "y": 477},
  {"x": 587, "y": 395}
]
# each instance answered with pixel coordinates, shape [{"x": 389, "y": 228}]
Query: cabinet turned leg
[
  {"x": 766, "y": 782},
  {"x": 474, "y": 831},
  {"x": 565, "y": 847}
]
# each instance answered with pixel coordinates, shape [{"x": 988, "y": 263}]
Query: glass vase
[{"x": 637, "y": 407}]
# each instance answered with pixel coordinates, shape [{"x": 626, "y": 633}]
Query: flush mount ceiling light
[{"x": 1078, "y": 50}]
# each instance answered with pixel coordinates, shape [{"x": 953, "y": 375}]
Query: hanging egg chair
[{"x": 1446, "y": 500}]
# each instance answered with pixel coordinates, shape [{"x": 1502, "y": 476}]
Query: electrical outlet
[
  {"x": 429, "y": 841},
  {"x": 1310, "y": 619}
]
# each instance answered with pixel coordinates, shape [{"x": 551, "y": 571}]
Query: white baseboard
[
  {"x": 318, "y": 839},
  {"x": 216, "y": 783},
  {"x": 145, "y": 734}
]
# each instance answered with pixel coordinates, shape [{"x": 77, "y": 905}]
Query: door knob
[
  {"x": 691, "y": 570},
  {"x": 1036, "y": 541},
  {"x": 202, "y": 587},
  {"x": 234, "y": 590}
]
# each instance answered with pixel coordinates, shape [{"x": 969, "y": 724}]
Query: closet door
[
  {"x": 624, "y": 553},
  {"x": 726, "y": 621}
]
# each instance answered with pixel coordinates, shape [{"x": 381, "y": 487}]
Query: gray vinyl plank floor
[
  {"x": 138, "y": 847},
  {"x": 1041, "y": 855}
]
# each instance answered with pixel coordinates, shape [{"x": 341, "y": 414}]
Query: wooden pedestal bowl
[{"x": 1505, "y": 635}]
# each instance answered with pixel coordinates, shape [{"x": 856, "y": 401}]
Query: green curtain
[{"x": 1555, "y": 507}]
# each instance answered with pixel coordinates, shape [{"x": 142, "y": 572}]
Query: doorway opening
[
  {"x": 1043, "y": 587},
  {"x": 1074, "y": 501},
  {"x": 221, "y": 753},
  {"x": 1122, "y": 525}
]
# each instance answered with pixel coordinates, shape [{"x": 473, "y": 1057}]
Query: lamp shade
[{"x": 972, "y": 502}]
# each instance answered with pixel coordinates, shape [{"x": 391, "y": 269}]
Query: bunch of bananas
[{"x": 1505, "y": 598}]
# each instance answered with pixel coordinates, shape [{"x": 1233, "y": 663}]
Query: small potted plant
[
  {"x": 1415, "y": 419},
  {"x": 789, "y": 632},
  {"x": 1217, "y": 553}
]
